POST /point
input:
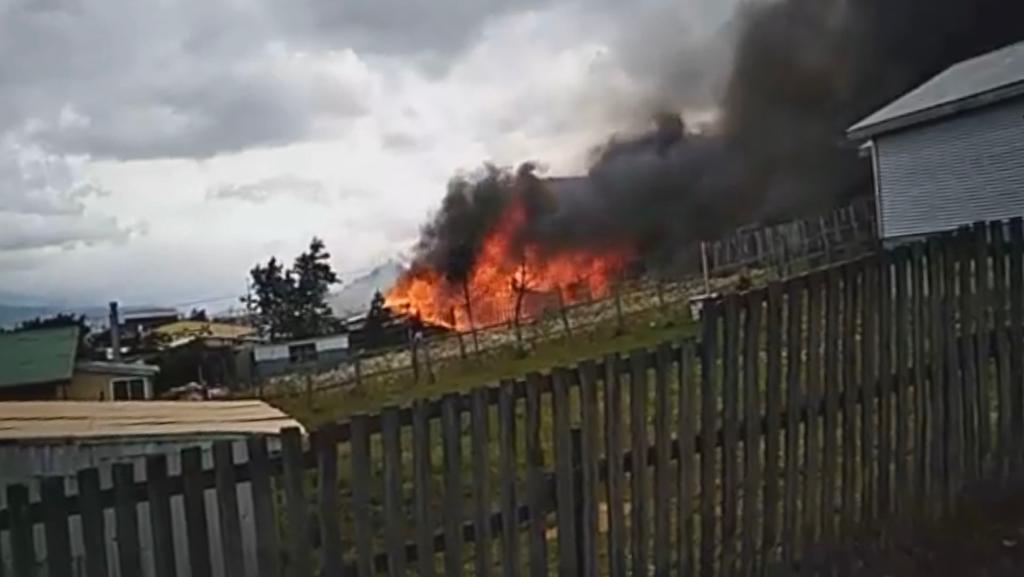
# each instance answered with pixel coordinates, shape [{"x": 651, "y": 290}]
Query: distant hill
[{"x": 355, "y": 296}]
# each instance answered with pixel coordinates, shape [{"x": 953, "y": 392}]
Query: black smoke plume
[{"x": 802, "y": 71}]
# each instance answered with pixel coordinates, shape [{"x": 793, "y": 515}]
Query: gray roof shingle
[{"x": 980, "y": 81}]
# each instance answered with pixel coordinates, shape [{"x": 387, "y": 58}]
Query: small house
[
  {"x": 42, "y": 364},
  {"x": 311, "y": 354},
  {"x": 950, "y": 152}
]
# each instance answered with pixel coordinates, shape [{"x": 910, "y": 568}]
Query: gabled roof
[
  {"x": 980, "y": 81},
  {"x": 96, "y": 420},
  {"x": 37, "y": 356}
]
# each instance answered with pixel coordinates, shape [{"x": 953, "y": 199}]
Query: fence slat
[
  {"x": 813, "y": 508},
  {"x": 94, "y": 540},
  {"x": 126, "y": 517},
  {"x": 922, "y": 424},
  {"x": 794, "y": 401},
  {"x": 830, "y": 457},
  {"x": 639, "y": 478},
  {"x": 326, "y": 448},
  {"x": 300, "y": 551},
  {"x": 876, "y": 390},
  {"x": 481, "y": 481},
  {"x": 360, "y": 459},
  {"x": 983, "y": 326},
  {"x": 1000, "y": 290},
  {"x": 938, "y": 363},
  {"x": 55, "y": 523},
  {"x": 751, "y": 400},
  {"x": 23, "y": 551},
  {"x": 686, "y": 422},
  {"x": 565, "y": 499},
  {"x": 535, "y": 478},
  {"x": 968, "y": 356},
  {"x": 268, "y": 549},
  {"x": 662, "y": 456},
  {"x": 851, "y": 390},
  {"x": 1017, "y": 334},
  {"x": 709, "y": 426},
  {"x": 905, "y": 410},
  {"x": 615, "y": 483},
  {"x": 589, "y": 461},
  {"x": 423, "y": 474},
  {"x": 227, "y": 508},
  {"x": 160, "y": 523},
  {"x": 954, "y": 385},
  {"x": 730, "y": 429},
  {"x": 451, "y": 429},
  {"x": 394, "y": 518}
]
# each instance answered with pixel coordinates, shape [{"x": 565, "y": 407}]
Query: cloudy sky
[{"x": 153, "y": 151}]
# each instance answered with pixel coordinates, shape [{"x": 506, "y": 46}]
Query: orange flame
[{"x": 504, "y": 274}]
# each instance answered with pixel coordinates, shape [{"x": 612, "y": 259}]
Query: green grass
[{"x": 640, "y": 330}]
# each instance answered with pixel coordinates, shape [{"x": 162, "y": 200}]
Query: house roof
[
  {"x": 185, "y": 329},
  {"x": 115, "y": 368},
  {"x": 37, "y": 356},
  {"x": 980, "y": 81},
  {"x": 96, "y": 420}
]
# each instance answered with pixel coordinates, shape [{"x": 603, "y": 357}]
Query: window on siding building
[
  {"x": 304, "y": 353},
  {"x": 128, "y": 389}
]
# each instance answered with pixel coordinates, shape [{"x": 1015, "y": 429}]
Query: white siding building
[{"x": 950, "y": 152}]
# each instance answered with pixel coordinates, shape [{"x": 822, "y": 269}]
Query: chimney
[{"x": 115, "y": 332}]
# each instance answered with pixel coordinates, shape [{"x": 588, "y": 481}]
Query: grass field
[{"x": 640, "y": 330}]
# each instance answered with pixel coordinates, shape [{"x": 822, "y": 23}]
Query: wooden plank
[
  {"x": 922, "y": 404},
  {"x": 480, "y": 441},
  {"x": 55, "y": 527},
  {"x": 794, "y": 401},
  {"x": 662, "y": 457},
  {"x": 23, "y": 551},
  {"x": 300, "y": 551},
  {"x": 589, "y": 457},
  {"x": 535, "y": 478},
  {"x": 968, "y": 355},
  {"x": 1016, "y": 300},
  {"x": 329, "y": 507},
  {"x": 999, "y": 295},
  {"x": 954, "y": 387},
  {"x": 361, "y": 527},
  {"x": 876, "y": 383},
  {"x": 851, "y": 391},
  {"x": 730, "y": 433},
  {"x": 126, "y": 517},
  {"x": 686, "y": 422},
  {"x": 394, "y": 517},
  {"x": 423, "y": 475},
  {"x": 160, "y": 521},
  {"x": 615, "y": 484},
  {"x": 830, "y": 456},
  {"x": 451, "y": 430},
  {"x": 94, "y": 540},
  {"x": 984, "y": 327},
  {"x": 507, "y": 467},
  {"x": 640, "y": 542},
  {"x": 752, "y": 430},
  {"x": 564, "y": 490},
  {"x": 268, "y": 548},
  {"x": 936, "y": 351},
  {"x": 708, "y": 446},
  {"x": 814, "y": 386},
  {"x": 227, "y": 509},
  {"x": 905, "y": 409}
]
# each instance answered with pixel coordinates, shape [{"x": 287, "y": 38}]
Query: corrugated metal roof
[
  {"x": 980, "y": 81},
  {"x": 84, "y": 420},
  {"x": 37, "y": 356},
  {"x": 183, "y": 329}
]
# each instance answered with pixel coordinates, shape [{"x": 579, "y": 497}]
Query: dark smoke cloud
[{"x": 801, "y": 72}]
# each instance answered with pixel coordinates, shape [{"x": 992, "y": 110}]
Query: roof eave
[{"x": 862, "y": 131}]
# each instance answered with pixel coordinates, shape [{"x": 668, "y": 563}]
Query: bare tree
[{"x": 521, "y": 284}]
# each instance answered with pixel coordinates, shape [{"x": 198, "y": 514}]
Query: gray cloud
[{"x": 261, "y": 191}]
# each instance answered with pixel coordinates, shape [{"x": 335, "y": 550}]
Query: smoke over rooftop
[{"x": 798, "y": 73}]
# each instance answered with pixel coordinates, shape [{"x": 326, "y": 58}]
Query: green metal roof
[{"x": 37, "y": 356}]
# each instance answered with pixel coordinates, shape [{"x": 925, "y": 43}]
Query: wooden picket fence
[{"x": 807, "y": 412}]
